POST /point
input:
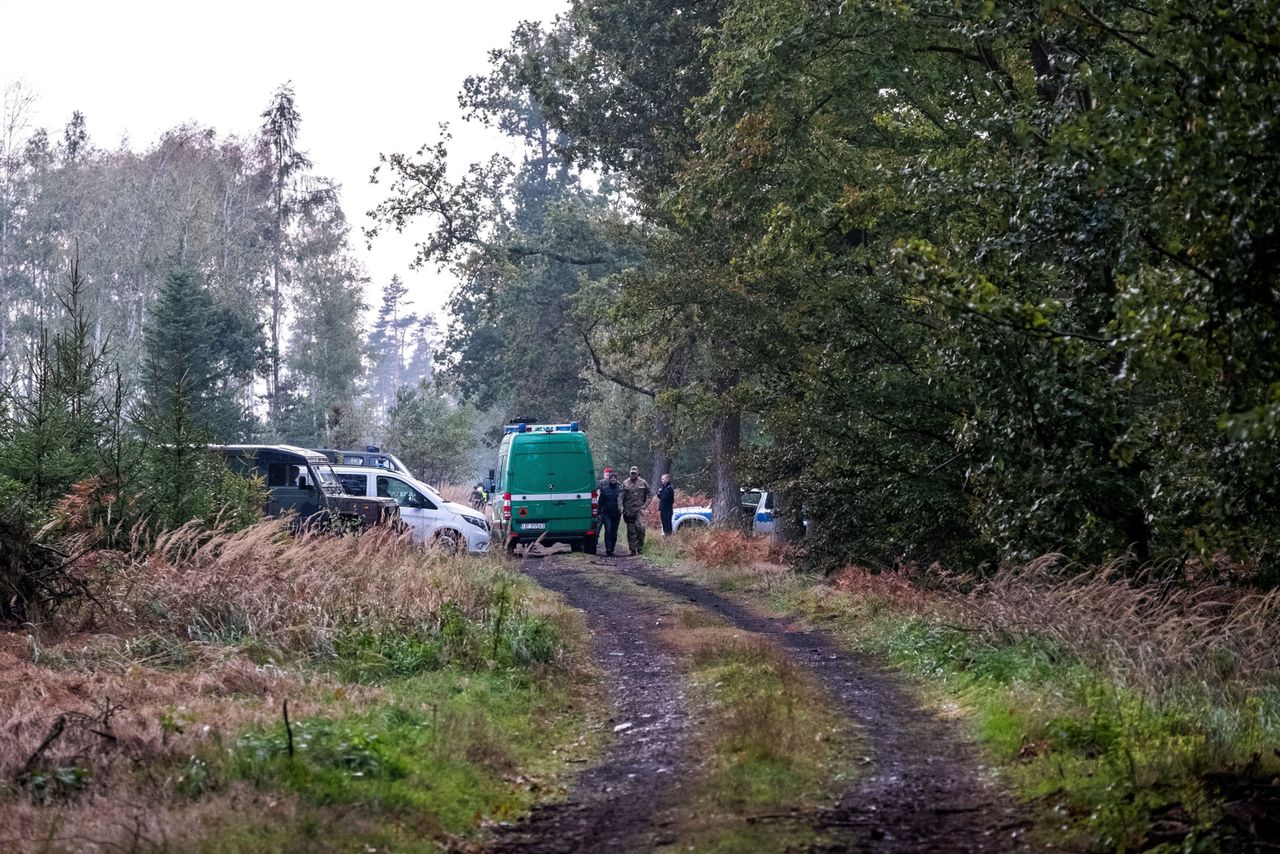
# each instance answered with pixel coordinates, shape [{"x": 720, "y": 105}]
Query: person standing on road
[
  {"x": 610, "y": 510},
  {"x": 666, "y": 503},
  {"x": 635, "y": 496}
]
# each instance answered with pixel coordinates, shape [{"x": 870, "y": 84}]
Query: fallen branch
[
  {"x": 288, "y": 730},
  {"x": 55, "y": 732}
]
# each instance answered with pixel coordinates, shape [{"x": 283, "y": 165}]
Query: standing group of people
[{"x": 625, "y": 501}]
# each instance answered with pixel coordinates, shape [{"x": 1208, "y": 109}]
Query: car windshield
[{"x": 324, "y": 471}]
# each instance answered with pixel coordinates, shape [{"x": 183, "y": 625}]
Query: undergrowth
[
  {"x": 426, "y": 694},
  {"x": 1133, "y": 712}
]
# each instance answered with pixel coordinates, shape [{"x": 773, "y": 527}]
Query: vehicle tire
[
  {"x": 591, "y": 544},
  {"x": 448, "y": 541},
  {"x": 691, "y": 522}
]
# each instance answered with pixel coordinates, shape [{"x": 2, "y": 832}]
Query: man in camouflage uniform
[{"x": 635, "y": 495}]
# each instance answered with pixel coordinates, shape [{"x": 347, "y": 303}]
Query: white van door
[{"x": 416, "y": 509}]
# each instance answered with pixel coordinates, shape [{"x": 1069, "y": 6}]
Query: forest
[
  {"x": 986, "y": 296},
  {"x": 964, "y": 284}
]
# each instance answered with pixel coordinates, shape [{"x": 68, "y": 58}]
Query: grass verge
[
  {"x": 427, "y": 696},
  {"x": 1131, "y": 713}
]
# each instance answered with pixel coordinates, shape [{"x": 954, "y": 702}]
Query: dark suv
[
  {"x": 370, "y": 457},
  {"x": 302, "y": 482}
]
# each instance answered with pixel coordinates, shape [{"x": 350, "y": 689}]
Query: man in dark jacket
[
  {"x": 666, "y": 503},
  {"x": 610, "y": 502}
]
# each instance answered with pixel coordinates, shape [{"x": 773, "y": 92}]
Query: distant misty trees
[{"x": 241, "y": 223}]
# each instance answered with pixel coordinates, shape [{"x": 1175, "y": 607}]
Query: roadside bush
[
  {"x": 38, "y": 580},
  {"x": 718, "y": 548}
]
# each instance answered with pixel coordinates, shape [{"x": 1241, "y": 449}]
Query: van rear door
[{"x": 550, "y": 488}]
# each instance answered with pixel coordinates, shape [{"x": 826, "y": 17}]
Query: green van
[{"x": 545, "y": 486}]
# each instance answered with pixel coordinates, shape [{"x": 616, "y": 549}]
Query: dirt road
[{"x": 924, "y": 787}]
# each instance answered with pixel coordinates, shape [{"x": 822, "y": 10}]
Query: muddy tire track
[
  {"x": 616, "y": 805},
  {"x": 925, "y": 787}
]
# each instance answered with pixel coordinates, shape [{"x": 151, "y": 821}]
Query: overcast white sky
[{"x": 369, "y": 77}]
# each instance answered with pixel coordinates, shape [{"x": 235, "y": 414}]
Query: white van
[{"x": 433, "y": 519}]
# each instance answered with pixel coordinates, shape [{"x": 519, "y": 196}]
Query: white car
[{"x": 434, "y": 520}]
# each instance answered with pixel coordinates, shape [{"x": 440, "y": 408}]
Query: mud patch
[
  {"x": 925, "y": 786},
  {"x": 617, "y": 804}
]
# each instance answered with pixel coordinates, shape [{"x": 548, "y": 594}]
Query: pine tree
[
  {"x": 57, "y": 424},
  {"x": 387, "y": 344},
  {"x": 281, "y": 121},
  {"x": 200, "y": 350}
]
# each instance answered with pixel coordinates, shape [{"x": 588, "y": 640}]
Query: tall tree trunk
[
  {"x": 663, "y": 436},
  {"x": 274, "y": 391},
  {"x": 726, "y": 440},
  {"x": 664, "y": 427}
]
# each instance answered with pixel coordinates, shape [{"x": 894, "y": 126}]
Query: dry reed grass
[
  {"x": 296, "y": 592},
  {"x": 1147, "y": 632},
  {"x": 456, "y": 492},
  {"x": 197, "y": 640},
  {"x": 96, "y": 824}
]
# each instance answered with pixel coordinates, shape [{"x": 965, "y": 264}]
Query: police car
[{"x": 756, "y": 505}]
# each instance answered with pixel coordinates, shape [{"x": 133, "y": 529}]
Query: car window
[
  {"x": 278, "y": 474},
  {"x": 354, "y": 484},
  {"x": 404, "y": 494},
  {"x": 325, "y": 472}
]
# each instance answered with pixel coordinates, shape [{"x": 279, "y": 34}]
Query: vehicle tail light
[
  {"x": 506, "y": 506},
  {"x": 595, "y": 502}
]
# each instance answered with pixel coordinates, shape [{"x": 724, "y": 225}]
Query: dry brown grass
[
  {"x": 97, "y": 824},
  {"x": 190, "y": 644},
  {"x": 294, "y": 593},
  {"x": 1147, "y": 632},
  {"x": 458, "y": 493},
  {"x": 718, "y": 548},
  {"x": 1150, "y": 632}
]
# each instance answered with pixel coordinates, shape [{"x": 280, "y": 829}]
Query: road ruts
[
  {"x": 616, "y": 805},
  {"x": 925, "y": 788}
]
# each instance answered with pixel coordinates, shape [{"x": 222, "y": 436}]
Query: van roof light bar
[{"x": 522, "y": 427}]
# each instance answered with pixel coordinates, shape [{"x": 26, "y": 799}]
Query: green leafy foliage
[
  {"x": 970, "y": 282},
  {"x": 431, "y": 434}
]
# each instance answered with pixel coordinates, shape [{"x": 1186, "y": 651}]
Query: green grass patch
[
  {"x": 448, "y": 750},
  {"x": 772, "y": 743},
  {"x": 662, "y": 551}
]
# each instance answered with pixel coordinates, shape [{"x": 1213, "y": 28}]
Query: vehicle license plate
[{"x": 534, "y": 526}]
